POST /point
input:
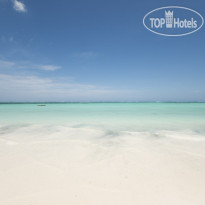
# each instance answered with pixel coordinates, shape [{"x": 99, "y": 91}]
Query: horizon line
[{"x": 44, "y": 102}]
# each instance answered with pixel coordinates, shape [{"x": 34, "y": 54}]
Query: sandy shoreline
[{"x": 83, "y": 166}]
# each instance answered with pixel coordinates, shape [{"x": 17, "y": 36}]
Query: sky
[{"x": 96, "y": 50}]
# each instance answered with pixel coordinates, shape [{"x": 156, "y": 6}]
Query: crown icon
[{"x": 169, "y": 18}]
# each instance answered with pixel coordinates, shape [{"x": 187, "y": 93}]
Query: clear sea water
[{"x": 109, "y": 116}]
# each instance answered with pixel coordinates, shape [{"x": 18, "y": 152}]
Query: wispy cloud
[
  {"x": 5, "y": 39},
  {"x": 48, "y": 67},
  {"x": 87, "y": 54},
  {"x": 28, "y": 65},
  {"x": 11, "y": 39},
  {"x": 6, "y": 64},
  {"x": 34, "y": 88},
  {"x": 19, "y": 6}
]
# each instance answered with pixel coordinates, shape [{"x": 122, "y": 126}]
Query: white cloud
[
  {"x": 27, "y": 65},
  {"x": 48, "y": 67},
  {"x": 19, "y": 6},
  {"x": 6, "y": 64},
  {"x": 34, "y": 88},
  {"x": 87, "y": 54}
]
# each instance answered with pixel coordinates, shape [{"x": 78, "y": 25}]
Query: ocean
[
  {"x": 102, "y": 153},
  {"x": 117, "y": 116}
]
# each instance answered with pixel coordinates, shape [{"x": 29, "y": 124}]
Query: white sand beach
[{"x": 44, "y": 164}]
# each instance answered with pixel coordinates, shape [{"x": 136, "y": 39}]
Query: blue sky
[{"x": 96, "y": 51}]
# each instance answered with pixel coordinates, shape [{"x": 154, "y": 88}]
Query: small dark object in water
[{"x": 41, "y": 105}]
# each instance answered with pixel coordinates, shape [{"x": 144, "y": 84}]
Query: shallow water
[{"x": 121, "y": 116}]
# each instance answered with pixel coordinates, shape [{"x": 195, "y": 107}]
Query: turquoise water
[{"x": 120, "y": 116}]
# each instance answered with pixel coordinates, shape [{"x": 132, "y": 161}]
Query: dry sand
[{"x": 59, "y": 165}]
